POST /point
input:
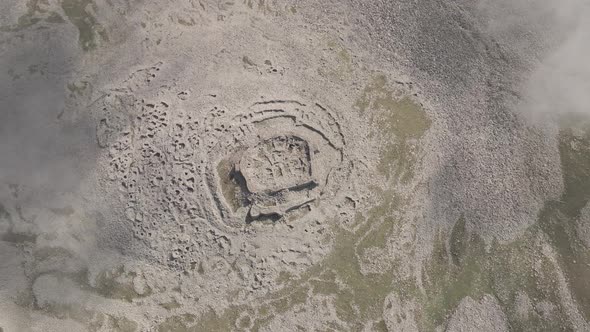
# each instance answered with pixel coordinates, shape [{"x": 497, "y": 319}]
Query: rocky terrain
[{"x": 287, "y": 165}]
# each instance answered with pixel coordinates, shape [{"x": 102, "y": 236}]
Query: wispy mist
[
  {"x": 551, "y": 39},
  {"x": 561, "y": 82}
]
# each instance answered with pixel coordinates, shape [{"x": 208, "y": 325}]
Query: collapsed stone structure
[{"x": 285, "y": 155}]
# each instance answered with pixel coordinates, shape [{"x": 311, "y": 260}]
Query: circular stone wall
[{"x": 273, "y": 160}]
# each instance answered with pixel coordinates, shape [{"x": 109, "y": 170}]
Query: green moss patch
[{"x": 401, "y": 121}]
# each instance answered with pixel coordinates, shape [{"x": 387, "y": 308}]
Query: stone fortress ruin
[
  {"x": 285, "y": 156},
  {"x": 281, "y": 162},
  {"x": 276, "y": 167},
  {"x": 208, "y": 180}
]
